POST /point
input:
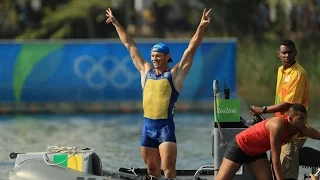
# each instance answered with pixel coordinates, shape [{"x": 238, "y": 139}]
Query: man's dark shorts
[{"x": 235, "y": 154}]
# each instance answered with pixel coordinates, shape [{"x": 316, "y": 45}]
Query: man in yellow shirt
[{"x": 292, "y": 87}]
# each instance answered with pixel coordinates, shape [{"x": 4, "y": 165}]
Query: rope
[{"x": 59, "y": 149}]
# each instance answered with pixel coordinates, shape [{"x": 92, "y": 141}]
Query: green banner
[{"x": 228, "y": 110}]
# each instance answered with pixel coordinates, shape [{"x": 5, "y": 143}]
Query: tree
[{"x": 71, "y": 19}]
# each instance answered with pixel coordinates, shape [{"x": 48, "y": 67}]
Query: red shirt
[{"x": 256, "y": 139}]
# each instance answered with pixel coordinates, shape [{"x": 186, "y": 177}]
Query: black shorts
[{"x": 235, "y": 154}]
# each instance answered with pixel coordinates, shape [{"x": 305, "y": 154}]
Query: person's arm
[
  {"x": 276, "y": 130},
  {"x": 141, "y": 64},
  {"x": 184, "y": 65},
  {"x": 297, "y": 85},
  {"x": 283, "y": 106},
  {"x": 310, "y": 132}
]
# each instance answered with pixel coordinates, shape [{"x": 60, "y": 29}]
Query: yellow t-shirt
[{"x": 292, "y": 86}]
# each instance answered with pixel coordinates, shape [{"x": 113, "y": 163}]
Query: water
[{"x": 116, "y": 138}]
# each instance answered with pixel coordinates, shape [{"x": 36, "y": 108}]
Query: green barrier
[{"x": 228, "y": 110}]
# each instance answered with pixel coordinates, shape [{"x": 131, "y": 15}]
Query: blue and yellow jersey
[{"x": 159, "y": 96}]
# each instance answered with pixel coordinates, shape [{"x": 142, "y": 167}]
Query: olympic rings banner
[{"x": 102, "y": 70}]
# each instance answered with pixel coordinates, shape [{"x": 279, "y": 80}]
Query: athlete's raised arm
[
  {"x": 183, "y": 67},
  {"x": 142, "y": 65}
]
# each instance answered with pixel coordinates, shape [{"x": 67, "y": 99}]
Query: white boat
[{"x": 44, "y": 166}]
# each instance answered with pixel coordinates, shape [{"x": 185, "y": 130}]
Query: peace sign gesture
[
  {"x": 205, "y": 19},
  {"x": 110, "y": 17}
]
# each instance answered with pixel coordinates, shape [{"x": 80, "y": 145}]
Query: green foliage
[
  {"x": 85, "y": 18},
  {"x": 66, "y": 20},
  {"x": 161, "y": 3},
  {"x": 8, "y": 19}
]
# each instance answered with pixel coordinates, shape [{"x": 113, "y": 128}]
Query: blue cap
[{"x": 160, "y": 47}]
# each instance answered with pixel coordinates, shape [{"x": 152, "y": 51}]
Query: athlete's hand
[
  {"x": 256, "y": 110},
  {"x": 110, "y": 17},
  {"x": 205, "y": 19}
]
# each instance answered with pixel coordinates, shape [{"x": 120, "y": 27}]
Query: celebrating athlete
[{"x": 161, "y": 86}]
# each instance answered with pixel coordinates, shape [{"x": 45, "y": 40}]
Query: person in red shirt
[{"x": 250, "y": 146}]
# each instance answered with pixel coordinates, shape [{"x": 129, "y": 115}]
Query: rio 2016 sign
[{"x": 228, "y": 110}]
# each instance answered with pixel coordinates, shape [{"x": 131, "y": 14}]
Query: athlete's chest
[{"x": 153, "y": 75}]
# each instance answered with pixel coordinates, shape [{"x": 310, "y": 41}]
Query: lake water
[{"x": 115, "y": 137}]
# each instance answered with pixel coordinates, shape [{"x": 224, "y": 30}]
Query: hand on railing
[{"x": 314, "y": 177}]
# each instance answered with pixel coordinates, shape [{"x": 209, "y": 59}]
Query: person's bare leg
[
  {"x": 152, "y": 159},
  {"x": 227, "y": 170},
  {"x": 261, "y": 169},
  {"x": 168, "y": 154}
]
